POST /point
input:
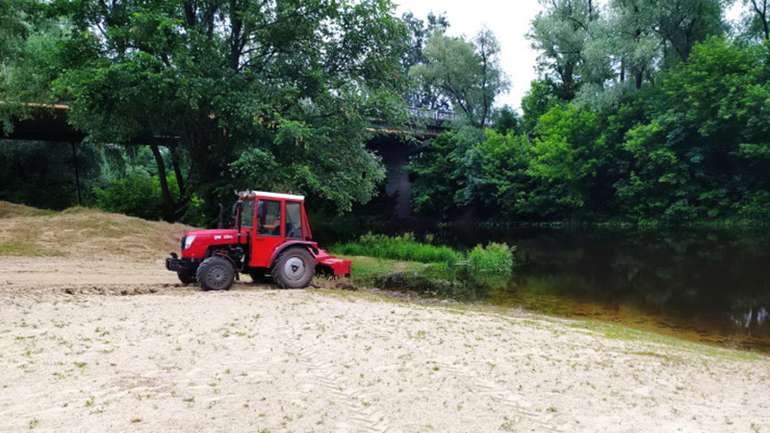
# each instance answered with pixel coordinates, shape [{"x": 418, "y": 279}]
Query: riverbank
[{"x": 96, "y": 347}]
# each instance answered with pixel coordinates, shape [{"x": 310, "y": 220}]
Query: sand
[{"x": 115, "y": 346}]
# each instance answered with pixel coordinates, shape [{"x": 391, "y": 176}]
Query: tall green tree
[
  {"x": 560, "y": 32},
  {"x": 422, "y": 94},
  {"x": 466, "y": 72},
  {"x": 704, "y": 154},
  {"x": 237, "y": 83},
  {"x": 756, "y": 19}
]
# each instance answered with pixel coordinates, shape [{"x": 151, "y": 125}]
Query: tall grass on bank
[
  {"x": 404, "y": 247},
  {"x": 445, "y": 271},
  {"x": 495, "y": 258}
]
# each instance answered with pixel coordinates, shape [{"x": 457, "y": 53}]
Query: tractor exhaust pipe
[{"x": 221, "y": 217}]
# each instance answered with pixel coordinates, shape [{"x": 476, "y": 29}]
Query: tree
[
  {"x": 498, "y": 182},
  {"x": 468, "y": 73},
  {"x": 295, "y": 80},
  {"x": 440, "y": 171},
  {"x": 27, "y": 36},
  {"x": 505, "y": 120},
  {"x": 540, "y": 98},
  {"x": 757, "y": 19},
  {"x": 704, "y": 154},
  {"x": 560, "y": 33},
  {"x": 422, "y": 95}
]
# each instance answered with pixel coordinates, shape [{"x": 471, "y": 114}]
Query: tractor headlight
[{"x": 188, "y": 241}]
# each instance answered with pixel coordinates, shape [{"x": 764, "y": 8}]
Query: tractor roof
[{"x": 255, "y": 194}]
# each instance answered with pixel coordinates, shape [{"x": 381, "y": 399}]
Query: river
[{"x": 705, "y": 285}]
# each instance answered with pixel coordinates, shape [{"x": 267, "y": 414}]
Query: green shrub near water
[
  {"x": 448, "y": 272},
  {"x": 404, "y": 247},
  {"x": 494, "y": 258}
]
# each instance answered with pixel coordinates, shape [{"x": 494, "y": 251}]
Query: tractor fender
[{"x": 311, "y": 246}]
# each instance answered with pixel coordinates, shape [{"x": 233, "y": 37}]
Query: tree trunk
[
  {"x": 77, "y": 171},
  {"x": 168, "y": 200},
  {"x": 174, "y": 150},
  {"x": 639, "y": 78},
  {"x": 622, "y": 71}
]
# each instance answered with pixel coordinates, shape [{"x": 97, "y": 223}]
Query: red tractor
[{"x": 271, "y": 238}]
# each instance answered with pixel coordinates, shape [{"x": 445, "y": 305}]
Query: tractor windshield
[{"x": 247, "y": 213}]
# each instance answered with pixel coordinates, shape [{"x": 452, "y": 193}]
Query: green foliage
[
  {"x": 403, "y": 247},
  {"x": 560, "y": 32},
  {"x": 539, "y": 99},
  {"x": 494, "y": 258},
  {"x": 692, "y": 160},
  {"x": 694, "y": 148},
  {"x": 136, "y": 194},
  {"x": 423, "y": 95},
  {"x": 466, "y": 72},
  {"x": 42, "y": 174},
  {"x": 498, "y": 180},
  {"x": 506, "y": 120},
  {"x": 296, "y": 82},
  {"x": 446, "y": 272},
  {"x": 439, "y": 171}
]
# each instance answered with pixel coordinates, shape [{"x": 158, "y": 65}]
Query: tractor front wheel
[
  {"x": 186, "y": 277},
  {"x": 216, "y": 273},
  {"x": 293, "y": 269}
]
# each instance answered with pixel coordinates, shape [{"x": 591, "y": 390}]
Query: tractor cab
[{"x": 271, "y": 239}]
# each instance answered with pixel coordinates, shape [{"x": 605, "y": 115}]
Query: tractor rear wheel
[
  {"x": 216, "y": 273},
  {"x": 293, "y": 269},
  {"x": 186, "y": 277}
]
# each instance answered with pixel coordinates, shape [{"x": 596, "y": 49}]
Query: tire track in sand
[
  {"x": 482, "y": 386},
  {"x": 327, "y": 376}
]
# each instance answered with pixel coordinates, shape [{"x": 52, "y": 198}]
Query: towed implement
[{"x": 270, "y": 240}]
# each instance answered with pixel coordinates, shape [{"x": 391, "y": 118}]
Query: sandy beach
[{"x": 103, "y": 347}]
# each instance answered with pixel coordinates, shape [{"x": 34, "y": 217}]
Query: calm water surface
[{"x": 711, "y": 286}]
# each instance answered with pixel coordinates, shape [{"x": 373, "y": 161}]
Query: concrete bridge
[{"x": 48, "y": 122}]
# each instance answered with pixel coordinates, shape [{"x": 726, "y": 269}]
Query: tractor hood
[
  {"x": 213, "y": 233},
  {"x": 195, "y": 243}
]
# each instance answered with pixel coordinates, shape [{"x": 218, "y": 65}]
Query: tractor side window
[
  {"x": 247, "y": 214},
  {"x": 269, "y": 218},
  {"x": 293, "y": 220}
]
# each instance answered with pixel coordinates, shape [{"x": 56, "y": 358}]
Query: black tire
[
  {"x": 293, "y": 269},
  {"x": 216, "y": 273},
  {"x": 186, "y": 277}
]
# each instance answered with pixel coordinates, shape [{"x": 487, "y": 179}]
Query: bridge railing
[{"x": 438, "y": 117}]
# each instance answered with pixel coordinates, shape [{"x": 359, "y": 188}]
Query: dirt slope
[{"x": 84, "y": 233}]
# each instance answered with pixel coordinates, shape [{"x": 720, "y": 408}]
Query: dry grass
[
  {"x": 82, "y": 232},
  {"x": 12, "y": 210}
]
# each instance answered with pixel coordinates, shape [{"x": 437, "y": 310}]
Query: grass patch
[
  {"x": 403, "y": 263},
  {"x": 24, "y": 249},
  {"x": 404, "y": 247},
  {"x": 623, "y": 332},
  {"x": 368, "y": 269},
  {"x": 12, "y": 210}
]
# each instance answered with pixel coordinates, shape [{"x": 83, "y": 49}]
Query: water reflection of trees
[{"x": 708, "y": 278}]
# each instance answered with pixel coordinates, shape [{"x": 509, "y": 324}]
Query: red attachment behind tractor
[{"x": 339, "y": 267}]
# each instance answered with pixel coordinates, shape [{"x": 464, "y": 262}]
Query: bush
[
  {"x": 404, "y": 247},
  {"x": 449, "y": 273},
  {"x": 491, "y": 259},
  {"x": 137, "y": 194}
]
